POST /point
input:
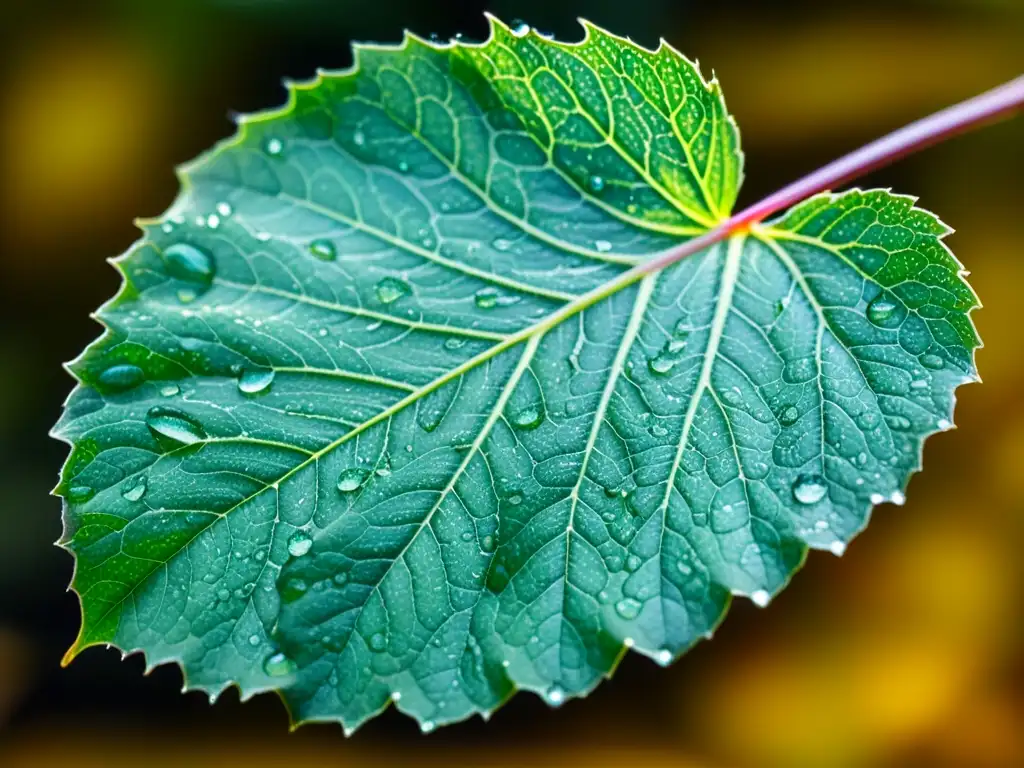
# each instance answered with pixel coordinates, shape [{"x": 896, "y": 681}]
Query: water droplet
[
  {"x": 761, "y": 598},
  {"x": 633, "y": 562},
  {"x": 254, "y": 640},
  {"x": 486, "y": 298},
  {"x": 809, "y": 489},
  {"x": 359, "y": 138},
  {"x": 122, "y": 376},
  {"x": 391, "y": 289},
  {"x": 134, "y": 488},
  {"x": 837, "y": 547},
  {"x": 255, "y": 380},
  {"x": 467, "y": 536},
  {"x": 273, "y": 146},
  {"x": 487, "y": 543},
  {"x": 352, "y": 479},
  {"x": 299, "y": 544},
  {"x": 186, "y": 295},
  {"x": 935, "y": 362},
  {"x": 664, "y": 657},
  {"x": 186, "y": 262},
  {"x": 881, "y": 311},
  {"x": 657, "y": 430},
  {"x": 628, "y": 608},
  {"x": 378, "y": 642},
  {"x": 454, "y": 343},
  {"x": 80, "y": 493},
  {"x": 174, "y": 425},
  {"x": 788, "y": 415},
  {"x": 278, "y": 665},
  {"x": 555, "y": 696},
  {"x": 602, "y": 246},
  {"x": 224, "y": 209},
  {"x": 427, "y": 726},
  {"x": 683, "y": 567},
  {"x": 529, "y": 417},
  {"x": 595, "y": 183},
  {"x": 515, "y": 500},
  {"x": 898, "y": 498},
  {"x": 502, "y": 244},
  {"x": 520, "y": 28},
  {"x": 944, "y": 424},
  {"x": 323, "y": 250},
  {"x": 170, "y": 390},
  {"x": 213, "y": 221}
]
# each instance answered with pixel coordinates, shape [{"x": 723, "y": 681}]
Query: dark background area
[{"x": 907, "y": 651}]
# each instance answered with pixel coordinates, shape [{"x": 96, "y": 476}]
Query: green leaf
[{"x": 381, "y": 414}]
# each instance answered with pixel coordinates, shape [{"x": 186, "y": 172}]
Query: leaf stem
[{"x": 1002, "y": 101}]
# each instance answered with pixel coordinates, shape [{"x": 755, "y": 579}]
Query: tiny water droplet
[
  {"x": 633, "y": 562},
  {"x": 359, "y": 138},
  {"x": 255, "y": 380},
  {"x": 467, "y": 536},
  {"x": 186, "y": 295},
  {"x": 788, "y": 415},
  {"x": 134, "y": 488},
  {"x": 352, "y": 479},
  {"x": 403, "y": 166},
  {"x": 391, "y": 289},
  {"x": 761, "y": 598},
  {"x": 881, "y": 311},
  {"x": 628, "y": 608},
  {"x": 454, "y": 343},
  {"x": 529, "y": 417},
  {"x": 273, "y": 146},
  {"x": 502, "y": 244},
  {"x": 122, "y": 376},
  {"x": 223, "y": 594},
  {"x": 661, "y": 364},
  {"x": 341, "y": 579},
  {"x": 602, "y": 246},
  {"x": 299, "y": 544},
  {"x": 170, "y": 390},
  {"x": 378, "y": 642},
  {"x": 555, "y": 696},
  {"x": 664, "y": 657},
  {"x": 213, "y": 221},
  {"x": 486, "y": 298},
  {"x": 174, "y": 425},
  {"x": 809, "y": 489},
  {"x": 323, "y": 250},
  {"x": 80, "y": 493},
  {"x": 520, "y": 28},
  {"x": 278, "y": 665},
  {"x": 224, "y": 209},
  {"x": 595, "y": 183},
  {"x": 487, "y": 543}
]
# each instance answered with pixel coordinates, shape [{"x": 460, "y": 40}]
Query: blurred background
[{"x": 907, "y": 651}]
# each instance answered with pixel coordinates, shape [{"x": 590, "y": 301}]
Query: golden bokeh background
[{"x": 907, "y": 651}]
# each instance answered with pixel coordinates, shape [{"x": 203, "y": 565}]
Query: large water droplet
[
  {"x": 809, "y": 489},
  {"x": 882, "y": 311},
  {"x": 186, "y": 262},
  {"x": 761, "y": 598},
  {"x": 529, "y": 417},
  {"x": 169, "y": 390},
  {"x": 134, "y": 488},
  {"x": 299, "y": 544},
  {"x": 323, "y": 250},
  {"x": 122, "y": 376},
  {"x": 255, "y": 380},
  {"x": 391, "y": 289},
  {"x": 174, "y": 425},
  {"x": 278, "y": 665},
  {"x": 352, "y": 479},
  {"x": 628, "y": 608},
  {"x": 520, "y": 28}
]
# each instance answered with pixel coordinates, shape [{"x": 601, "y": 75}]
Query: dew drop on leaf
[
  {"x": 80, "y": 493},
  {"x": 299, "y": 544},
  {"x": 529, "y": 417},
  {"x": 122, "y": 376},
  {"x": 788, "y": 415},
  {"x": 378, "y": 642},
  {"x": 391, "y": 289},
  {"x": 664, "y": 657},
  {"x": 169, "y": 390},
  {"x": 273, "y": 146},
  {"x": 174, "y": 425},
  {"x": 881, "y": 311},
  {"x": 255, "y": 381},
  {"x": 809, "y": 489},
  {"x": 520, "y": 28},
  {"x": 595, "y": 183},
  {"x": 628, "y": 608},
  {"x": 352, "y": 479},
  {"x": 486, "y": 298},
  {"x": 760, "y": 598},
  {"x": 502, "y": 244},
  {"x": 454, "y": 343},
  {"x": 278, "y": 665},
  {"x": 187, "y": 262},
  {"x": 134, "y": 488},
  {"x": 359, "y": 138},
  {"x": 555, "y": 696},
  {"x": 224, "y": 209},
  {"x": 935, "y": 362},
  {"x": 323, "y": 250}
]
